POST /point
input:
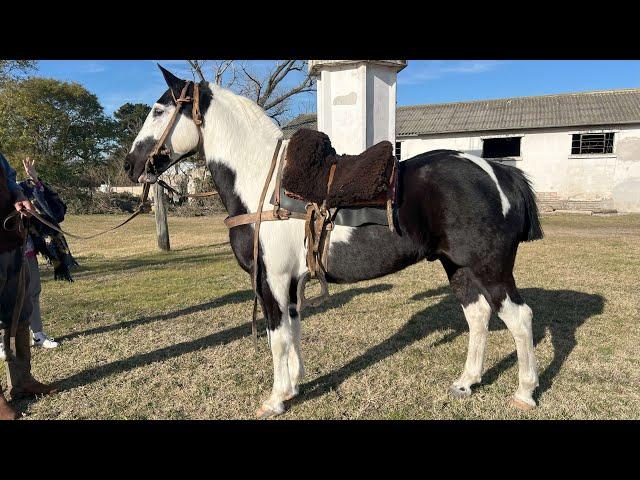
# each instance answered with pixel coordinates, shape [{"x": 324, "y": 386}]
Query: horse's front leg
[
  {"x": 281, "y": 338},
  {"x": 296, "y": 367}
]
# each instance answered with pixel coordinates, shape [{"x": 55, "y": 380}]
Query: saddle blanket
[{"x": 357, "y": 180}]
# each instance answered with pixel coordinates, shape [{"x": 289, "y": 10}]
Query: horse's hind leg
[
  {"x": 477, "y": 312},
  {"x": 518, "y": 318}
]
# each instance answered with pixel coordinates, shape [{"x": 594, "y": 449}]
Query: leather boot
[
  {"x": 6, "y": 411},
  {"x": 20, "y": 382}
]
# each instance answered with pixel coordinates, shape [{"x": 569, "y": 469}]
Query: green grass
[{"x": 147, "y": 334}]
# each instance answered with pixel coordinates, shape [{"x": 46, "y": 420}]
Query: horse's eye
[{"x": 157, "y": 112}]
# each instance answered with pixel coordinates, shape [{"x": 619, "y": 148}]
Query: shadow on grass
[
  {"x": 559, "y": 312},
  {"x": 216, "y": 339},
  {"x": 556, "y": 312},
  {"x": 161, "y": 259},
  {"x": 229, "y": 299}
]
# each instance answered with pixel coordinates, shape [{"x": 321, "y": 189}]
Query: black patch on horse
[{"x": 205, "y": 99}]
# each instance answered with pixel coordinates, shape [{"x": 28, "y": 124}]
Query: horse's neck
[{"x": 239, "y": 163}]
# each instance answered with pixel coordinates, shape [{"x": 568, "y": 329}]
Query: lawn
[{"x": 153, "y": 335}]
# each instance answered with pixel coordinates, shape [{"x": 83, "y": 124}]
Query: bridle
[{"x": 160, "y": 148}]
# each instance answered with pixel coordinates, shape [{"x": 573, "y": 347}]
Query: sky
[{"x": 116, "y": 82}]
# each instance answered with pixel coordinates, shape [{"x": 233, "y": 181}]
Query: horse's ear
[{"x": 175, "y": 84}]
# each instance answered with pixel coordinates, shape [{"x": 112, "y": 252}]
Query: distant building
[
  {"x": 581, "y": 150},
  {"x": 186, "y": 178}
]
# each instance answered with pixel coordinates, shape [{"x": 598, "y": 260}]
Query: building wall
[
  {"x": 188, "y": 176},
  {"x": 609, "y": 180}
]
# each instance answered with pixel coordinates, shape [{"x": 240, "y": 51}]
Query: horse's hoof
[
  {"x": 522, "y": 405},
  {"x": 265, "y": 412},
  {"x": 459, "y": 392},
  {"x": 291, "y": 396}
]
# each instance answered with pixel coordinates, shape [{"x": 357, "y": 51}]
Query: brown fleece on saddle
[{"x": 358, "y": 179}]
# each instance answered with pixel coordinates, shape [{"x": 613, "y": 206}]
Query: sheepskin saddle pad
[{"x": 358, "y": 180}]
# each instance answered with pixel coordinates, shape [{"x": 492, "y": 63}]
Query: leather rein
[{"x": 160, "y": 148}]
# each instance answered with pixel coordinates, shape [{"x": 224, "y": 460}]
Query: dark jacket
[
  {"x": 13, "y": 236},
  {"x": 48, "y": 242}
]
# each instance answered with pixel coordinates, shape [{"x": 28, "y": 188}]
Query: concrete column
[{"x": 356, "y": 101}]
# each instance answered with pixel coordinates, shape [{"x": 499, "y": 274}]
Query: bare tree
[
  {"x": 268, "y": 89},
  {"x": 196, "y": 67},
  {"x": 219, "y": 69}
]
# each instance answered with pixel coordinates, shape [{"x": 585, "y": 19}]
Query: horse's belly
[{"x": 368, "y": 252}]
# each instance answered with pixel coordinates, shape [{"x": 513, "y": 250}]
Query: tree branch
[
  {"x": 305, "y": 86},
  {"x": 196, "y": 67},
  {"x": 257, "y": 83}
]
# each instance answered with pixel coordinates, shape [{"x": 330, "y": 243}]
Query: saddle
[
  {"x": 322, "y": 188},
  {"x": 333, "y": 189},
  {"x": 313, "y": 172}
]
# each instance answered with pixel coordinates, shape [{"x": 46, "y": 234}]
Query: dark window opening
[
  {"x": 501, "y": 147},
  {"x": 584, "y": 143},
  {"x": 398, "y": 152}
]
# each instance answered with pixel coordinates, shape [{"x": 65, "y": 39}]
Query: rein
[
  {"x": 143, "y": 207},
  {"x": 159, "y": 149}
]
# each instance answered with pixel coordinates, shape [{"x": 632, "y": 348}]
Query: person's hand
[
  {"x": 30, "y": 168},
  {"x": 24, "y": 207}
]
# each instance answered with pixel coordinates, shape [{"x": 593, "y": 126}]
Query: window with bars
[
  {"x": 398, "y": 151},
  {"x": 585, "y": 143}
]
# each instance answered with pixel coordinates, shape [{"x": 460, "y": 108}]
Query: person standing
[
  {"x": 14, "y": 305},
  {"x": 47, "y": 242}
]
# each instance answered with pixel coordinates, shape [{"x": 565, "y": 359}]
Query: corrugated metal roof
[{"x": 606, "y": 107}]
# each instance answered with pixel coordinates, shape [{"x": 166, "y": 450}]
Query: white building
[{"x": 581, "y": 150}]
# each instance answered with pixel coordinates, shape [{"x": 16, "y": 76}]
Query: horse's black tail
[{"x": 532, "y": 230}]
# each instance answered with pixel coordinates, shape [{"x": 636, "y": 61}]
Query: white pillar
[{"x": 356, "y": 101}]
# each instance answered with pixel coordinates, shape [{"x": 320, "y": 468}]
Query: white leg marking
[
  {"x": 484, "y": 165},
  {"x": 477, "y": 315},
  {"x": 518, "y": 319},
  {"x": 281, "y": 340},
  {"x": 296, "y": 367}
]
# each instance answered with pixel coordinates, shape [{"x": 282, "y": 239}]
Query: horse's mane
[{"x": 247, "y": 113}]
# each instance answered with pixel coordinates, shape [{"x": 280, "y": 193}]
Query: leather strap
[
  {"x": 256, "y": 240},
  {"x": 279, "y": 179},
  {"x": 195, "y": 111},
  {"x": 160, "y": 144},
  {"x": 332, "y": 172},
  {"x": 168, "y": 187},
  {"x": 142, "y": 207},
  {"x": 267, "y": 216}
]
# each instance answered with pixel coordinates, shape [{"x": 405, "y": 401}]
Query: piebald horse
[{"x": 468, "y": 213}]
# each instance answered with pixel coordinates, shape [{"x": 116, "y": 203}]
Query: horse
[{"x": 468, "y": 213}]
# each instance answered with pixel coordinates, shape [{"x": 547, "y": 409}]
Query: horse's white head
[{"x": 182, "y": 140}]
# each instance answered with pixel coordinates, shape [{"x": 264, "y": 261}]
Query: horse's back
[{"x": 464, "y": 205}]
